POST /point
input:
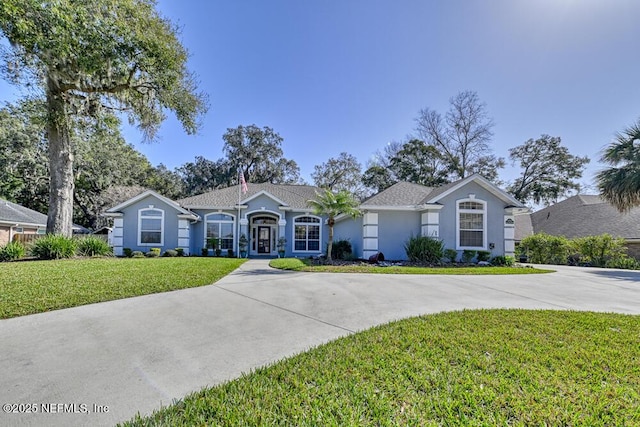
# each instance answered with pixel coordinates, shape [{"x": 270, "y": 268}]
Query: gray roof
[
  {"x": 15, "y": 213},
  {"x": 400, "y": 194},
  {"x": 295, "y": 196},
  {"x": 582, "y": 215}
]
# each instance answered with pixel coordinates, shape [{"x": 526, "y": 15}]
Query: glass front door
[{"x": 264, "y": 240}]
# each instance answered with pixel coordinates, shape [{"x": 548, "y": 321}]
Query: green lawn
[
  {"x": 37, "y": 286},
  {"x": 296, "y": 264},
  {"x": 484, "y": 367}
]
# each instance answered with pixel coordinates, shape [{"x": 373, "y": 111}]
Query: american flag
[{"x": 243, "y": 183}]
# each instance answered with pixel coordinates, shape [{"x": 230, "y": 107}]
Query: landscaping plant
[
  {"x": 467, "y": 256},
  {"x": 12, "y": 251},
  {"x": 451, "y": 255},
  {"x": 424, "y": 249},
  {"x": 54, "y": 246},
  {"x": 342, "y": 249},
  {"x": 93, "y": 246}
]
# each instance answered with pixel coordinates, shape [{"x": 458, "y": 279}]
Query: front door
[{"x": 264, "y": 240}]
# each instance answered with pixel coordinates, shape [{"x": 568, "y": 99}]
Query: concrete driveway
[{"x": 102, "y": 363}]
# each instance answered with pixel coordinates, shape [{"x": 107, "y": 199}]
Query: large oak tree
[{"x": 88, "y": 56}]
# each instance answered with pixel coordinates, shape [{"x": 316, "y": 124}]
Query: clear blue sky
[{"x": 351, "y": 75}]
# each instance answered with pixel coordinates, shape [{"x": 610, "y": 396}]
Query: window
[
  {"x": 306, "y": 234},
  {"x": 472, "y": 224},
  {"x": 151, "y": 227},
  {"x": 220, "y": 226}
]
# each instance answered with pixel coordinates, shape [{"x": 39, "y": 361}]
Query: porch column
[
  {"x": 184, "y": 238},
  {"x": 509, "y": 235},
  {"x": 118, "y": 236},
  {"x": 430, "y": 222},
  {"x": 369, "y": 234}
]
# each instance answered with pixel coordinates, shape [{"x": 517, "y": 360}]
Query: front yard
[
  {"x": 482, "y": 367},
  {"x": 39, "y": 286}
]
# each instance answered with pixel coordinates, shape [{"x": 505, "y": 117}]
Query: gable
[{"x": 149, "y": 197}]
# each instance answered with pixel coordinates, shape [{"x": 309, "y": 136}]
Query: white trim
[
  {"x": 484, "y": 213},
  {"x": 140, "y": 227},
  {"x": 293, "y": 233},
  {"x": 265, "y": 193}
]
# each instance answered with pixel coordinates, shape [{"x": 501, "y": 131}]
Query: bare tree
[{"x": 462, "y": 136}]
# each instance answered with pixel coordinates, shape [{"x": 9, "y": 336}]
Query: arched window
[
  {"x": 220, "y": 226},
  {"x": 306, "y": 231},
  {"x": 471, "y": 224},
  {"x": 150, "y": 227}
]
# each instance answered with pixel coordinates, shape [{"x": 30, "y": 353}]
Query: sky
[{"x": 351, "y": 75}]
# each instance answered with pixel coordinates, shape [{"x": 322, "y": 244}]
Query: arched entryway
[{"x": 264, "y": 234}]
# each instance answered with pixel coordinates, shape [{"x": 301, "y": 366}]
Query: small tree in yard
[{"x": 333, "y": 204}]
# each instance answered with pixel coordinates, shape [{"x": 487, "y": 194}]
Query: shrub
[
  {"x": 341, "y": 249},
  {"x": 599, "y": 250},
  {"x": 626, "y": 263},
  {"x": 545, "y": 249},
  {"x": 424, "y": 249},
  {"x": 93, "y": 246},
  {"x": 12, "y": 251},
  {"x": 137, "y": 254},
  {"x": 451, "y": 254},
  {"x": 170, "y": 253},
  {"x": 467, "y": 255},
  {"x": 204, "y": 252},
  {"x": 153, "y": 253},
  {"x": 179, "y": 251},
  {"x": 484, "y": 256},
  {"x": 503, "y": 261},
  {"x": 229, "y": 253},
  {"x": 54, "y": 246},
  {"x": 127, "y": 252}
]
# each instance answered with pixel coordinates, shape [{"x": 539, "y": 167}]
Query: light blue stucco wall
[
  {"x": 350, "y": 229},
  {"x": 495, "y": 216},
  {"x": 130, "y": 224},
  {"x": 394, "y": 229}
]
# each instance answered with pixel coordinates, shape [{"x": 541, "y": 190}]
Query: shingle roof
[
  {"x": 295, "y": 196},
  {"x": 13, "y": 212},
  {"x": 584, "y": 215},
  {"x": 400, "y": 194}
]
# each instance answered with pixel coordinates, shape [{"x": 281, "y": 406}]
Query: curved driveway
[{"x": 137, "y": 354}]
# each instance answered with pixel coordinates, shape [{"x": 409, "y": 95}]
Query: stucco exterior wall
[
  {"x": 394, "y": 229},
  {"x": 130, "y": 225},
  {"x": 494, "y": 211},
  {"x": 350, "y": 229}
]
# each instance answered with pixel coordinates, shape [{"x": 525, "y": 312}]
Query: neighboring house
[
  {"x": 580, "y": 216},
  {"x": 16, "y": 219},
  {"x": 468, "y": 214}
]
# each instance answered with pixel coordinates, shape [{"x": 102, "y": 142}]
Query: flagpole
[{"x": 238, "y": 217}]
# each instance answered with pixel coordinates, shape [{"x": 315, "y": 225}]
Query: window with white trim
[
  {"x": 220, "y": 226},
  {"x": 306, "y": 232},
  {"x": 471, "y": 224},
  {"x": 150, "y": 227}
]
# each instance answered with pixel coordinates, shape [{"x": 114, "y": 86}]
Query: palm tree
[
  {"x": 620, "y": 185},
  {"x": 332, "y": 205}
]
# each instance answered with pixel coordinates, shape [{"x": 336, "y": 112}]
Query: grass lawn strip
[
  {"x": 39, "y": 286},
  {"x": 481, "y": 367},
  {"x": 295, "y": 264}
]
